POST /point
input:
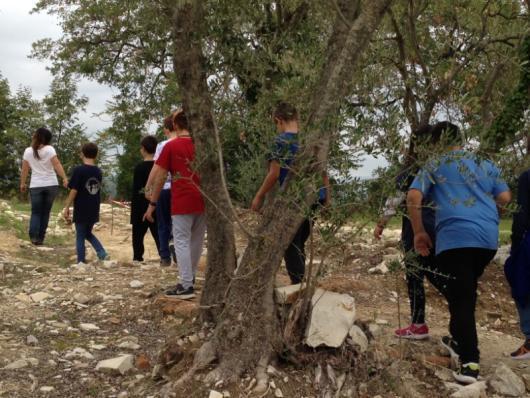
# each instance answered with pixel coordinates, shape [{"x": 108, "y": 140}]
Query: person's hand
[
  {"x": 378, "y": 231},
  {"x": 256, "y": 203},
  {"x": 23, "y": 187},
  {"x": 66, "y": 213},
  {"x": 65, "y": 182},
  {"x": 149, "y": 214},
  {"x": 422, "y": 243}
]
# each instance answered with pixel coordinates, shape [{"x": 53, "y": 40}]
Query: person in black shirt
[
  {"x": 85, "y": 188},
  {"x": 139, "y": 203}
]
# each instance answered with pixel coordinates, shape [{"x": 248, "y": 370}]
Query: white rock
[
  {"x": 278, "y": 393},
  {"x": 506, "y": 382},
  {"x": 81, "y": 298},
  {"x": 215, "y": 394},
  {"x": 193, "y": 339},
  {"x": 79, "y": 352},
  {"x": 286, "y": 294},
  {"x": 31, "y": 340},
  {"x": 332, "y": 316},
  {"x": 121, "y": 364},
  {"x": 98, "y": 347},
  {"x": 381, "y": 321},
  {"x": 88, "y": 327},
  {"x": 136, "y": 284},
  {"x": 358, "y": 338},
  {"x": 129, "y": 345},
  {"x": 380, "y": 269},
  {"x": 502, "y": 254},
  {"x": 475, "y": 390},
  {"x": 23, "y": 297},
  {"x": 110, "y": 264},
  {"x": 375, "y": 329},
  {"x": 47, "y": 389},
  {"x": 18, "y": 364},
  {"x": 33, "y": 361}
]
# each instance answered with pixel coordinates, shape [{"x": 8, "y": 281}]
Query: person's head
[
  {"x": 42, "y": 136},
  {"x": 447, "y": 133},
  {"x": 180, "y": 122},
  {"x": 285, "y": 115},
  {"x": 148, "y": 145},
  {"x": 89, "y": 150},
  {"x": 168, "y": 125}
]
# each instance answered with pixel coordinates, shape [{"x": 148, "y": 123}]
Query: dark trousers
[
  {"x": 138, "y": 233},
  {"x": 163, "y": 220},
  {"x": 41, "y": 206},
  {"x": 295, "y": 254},
  {"x": 460, "y": 270},
  {"x": 417, "y": 268}
]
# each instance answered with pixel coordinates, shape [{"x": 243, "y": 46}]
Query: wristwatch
[{"x": 152, "y": 204}]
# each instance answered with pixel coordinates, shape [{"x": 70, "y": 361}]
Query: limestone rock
[
  {"x": 506, "y": 382},
  {"x": 18, "y": 364},
  {"x": 358, "y": 338},
  {"x": 380, "y": 269},
  {"x": 39, "y": 296},
  {"x": 215, "y": 394},
  {"x": 23, "y": 297},
  {"x": 47, "y": 389},
  {"x": 129, "y": 345},
  {"x": 287, "y": 294},
  {"x": 475, "y": 390},
  {"x": 88, "y": 327},
  {"x": 79, "y": 352},
  {"x": 121, "y": 364},
  {"x": 31, "y": 340},
  {"x": 81, "y": 298},
  {"x": 136, "y": 284},
  {"x": 332, "y": 316}
]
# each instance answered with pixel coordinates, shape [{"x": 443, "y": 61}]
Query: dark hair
[
  {"x": 180, "y": 121},
  {"x": 421, "y": 134},
  {"x": 41, "y": 136},
  {"x": 285, "y": 111},
  {"x": 168, "y": 123},
  {"x": 89, "y": 150},
  {"x": 149, "y": 144},
  {"x": 447, "y": 132}
]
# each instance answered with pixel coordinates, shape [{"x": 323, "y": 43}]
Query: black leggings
[
  {"x": 295, "y": 254},
  {"x": 417, "y": 268},
  {"x": 459, "y": 271},
  {"x": 138, "y": 233}
]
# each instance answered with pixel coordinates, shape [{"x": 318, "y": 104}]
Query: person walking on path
[
  {"x": 281, "y": 157},
  {"x": 43, "y": 162},
  {"x": 416, "y": 267},
  {"x": 466, "y": 191},
  {"x": 139, "y": 203},
  {"x": 187, "y": 205},
  {"x": 85, "y": 194},
  {"x": 163, "y": 204},
  {"x": 517, "y": 267}
]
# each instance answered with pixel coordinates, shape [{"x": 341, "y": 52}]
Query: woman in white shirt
[{"x": 42, "y": 159}]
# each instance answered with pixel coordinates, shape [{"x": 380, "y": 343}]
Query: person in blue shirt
[
  {"x": 466, "y": 192},
  {"x": 281, "y": 157},
  {"x": 416, "y": 267}
]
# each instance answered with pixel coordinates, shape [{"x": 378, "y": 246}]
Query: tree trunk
[
  {"x": 248, "y": 331},
  {"x": 189, "y": 67}
]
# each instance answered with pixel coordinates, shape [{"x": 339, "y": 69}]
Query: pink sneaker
[{"x": 413, "y": 332}]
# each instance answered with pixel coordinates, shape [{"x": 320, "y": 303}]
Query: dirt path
[{"x": 54, "y": 353}]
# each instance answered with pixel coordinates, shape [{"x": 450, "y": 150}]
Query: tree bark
[{"x": 189, "y": 66}]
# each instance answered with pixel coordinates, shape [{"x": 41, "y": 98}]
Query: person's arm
[
  {"x": 389, "y": 211},
  {"x": 158, "y": 180},
  {"x": 24, "y": 175},
  {"x": 69, "y": 200},
  {"x": 422, "y": 241},
  {"x": 268, "y": 183},
  {"x": 59, "y": 170}
]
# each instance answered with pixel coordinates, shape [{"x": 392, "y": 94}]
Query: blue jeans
[
  {"x": 84, "y": 232},
  {"x": 163, "y": 219},
  {"x": 524, "y": 317},
  {"x": 41, "y": 206}
]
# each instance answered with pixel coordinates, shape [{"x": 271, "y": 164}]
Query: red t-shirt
[{"x": 176, "y": 157}]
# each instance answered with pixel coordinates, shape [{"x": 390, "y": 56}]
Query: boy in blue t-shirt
[
  {"x": 466, "y": 192},
  {"x": 85, "y": 188},
  {"x": 280, "y": 159}
]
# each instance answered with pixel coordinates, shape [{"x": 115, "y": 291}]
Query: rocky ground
[{"x": 60, "y": 326}]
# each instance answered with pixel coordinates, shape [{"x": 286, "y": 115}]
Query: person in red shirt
[{"x": 187, "y": 204}]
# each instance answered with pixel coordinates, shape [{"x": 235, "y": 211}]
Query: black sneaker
[
  {"x": 179, "y": 292},
  {"x": 467, "y": 373},
  {"x": 451, "y": 346},
  {"x": 165, "y": 262},
  {"x": 172, "y": 251}
]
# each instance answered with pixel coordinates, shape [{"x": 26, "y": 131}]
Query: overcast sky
[{"x": 19, "y": 29}]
